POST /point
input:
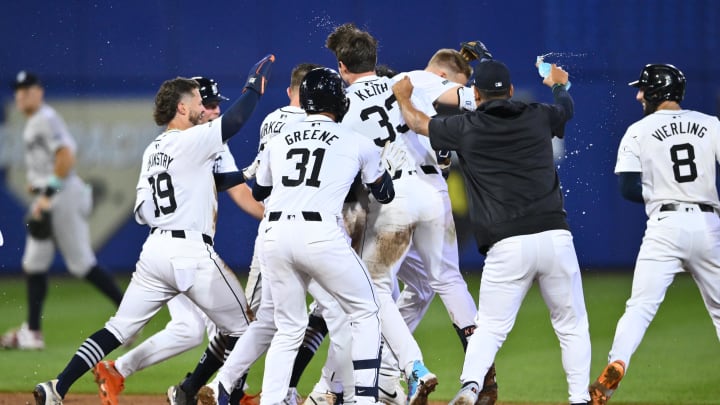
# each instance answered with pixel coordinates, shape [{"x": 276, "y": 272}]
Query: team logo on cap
[
  {"x": 21, "y": 76},
  {"x": 498, "y": 84}
]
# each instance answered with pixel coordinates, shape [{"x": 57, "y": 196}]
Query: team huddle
[{"x": 349, "y": 184}]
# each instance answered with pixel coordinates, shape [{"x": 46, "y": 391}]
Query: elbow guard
[{"x": 384, "y": 192}]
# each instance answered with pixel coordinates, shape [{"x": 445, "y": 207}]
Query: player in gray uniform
[
  {"x": 309, "y": 169},
  {"x": 188, "y": 324},
  {"x": 63, "y": 199},
  {"x": 176, "y": 198},
  {"x": 667, "y": 161}
]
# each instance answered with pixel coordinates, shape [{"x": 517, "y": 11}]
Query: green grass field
[{"x": 677, "y": 363}]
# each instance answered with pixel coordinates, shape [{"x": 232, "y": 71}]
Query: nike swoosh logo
[
  {"x": 389, "y": 395},
  {"x": 661, "y": 218}
]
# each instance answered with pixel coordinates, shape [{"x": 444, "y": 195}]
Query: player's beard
[{"x": 196, "y": 118}]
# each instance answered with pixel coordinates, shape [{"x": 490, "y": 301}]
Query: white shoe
[
  {"x": 46, "y": 394},
  {"x": 320, "y": 398},
  {"x": 23, "y": 338},
  {"x": 468, "y": 395},
  {"x": 390, "y": 391},
  {"x": 292, "y": 397}
]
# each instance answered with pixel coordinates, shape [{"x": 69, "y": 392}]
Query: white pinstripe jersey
[{"x": 45, "y": 132}]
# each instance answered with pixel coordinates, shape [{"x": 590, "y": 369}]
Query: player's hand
[
  {"x": 443, "y": 158},
  {"x": 393, "y": 157},
  {"x": 403, "y": 89},
  {"x": 474, "y": 50},
  {"x": 259, "y": 75},
  {"x": 250, "y": 171},
  {"x": 557, "y": 76},
  {"x": 42, "y": 204}
]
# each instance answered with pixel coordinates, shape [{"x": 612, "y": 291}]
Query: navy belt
[
  {"x": 679, "y": 207},
  {"x": 180, "y": 234},
  {"x": 427, "y": 169},
  {"x": 307, "y": 215}
]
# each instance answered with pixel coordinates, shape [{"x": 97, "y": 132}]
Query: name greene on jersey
[
  {"x": 308, "y": 134},
  {"x": 679, "y": 128},
  {"x": 159, "y": 159}
]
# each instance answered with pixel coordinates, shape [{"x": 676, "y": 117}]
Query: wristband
[{"x": 54, "y": 185}]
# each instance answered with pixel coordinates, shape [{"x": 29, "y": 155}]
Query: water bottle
[{"x": 544, "y": 70}]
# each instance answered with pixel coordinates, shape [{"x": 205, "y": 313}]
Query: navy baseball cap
[
  {"x": 492, "y": 75},
  {"x": 25, "y": 79}
]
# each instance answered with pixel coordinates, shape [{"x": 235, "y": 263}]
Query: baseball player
[
  {"x": 421, "y": 213},
  {"x": 176, "y": 198},
  {"x": 505, "y": 150},
  {"x": 309, "y": 169},
  {"x": 667, "y": 161},
  {"x": 188, "y": 323},
  {"x": 62, "y": 201}
]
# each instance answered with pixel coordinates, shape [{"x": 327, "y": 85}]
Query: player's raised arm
[{"x": 236, "y": 116}]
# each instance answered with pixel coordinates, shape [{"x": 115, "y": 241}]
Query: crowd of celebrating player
[{"x": 351, "y": 176}]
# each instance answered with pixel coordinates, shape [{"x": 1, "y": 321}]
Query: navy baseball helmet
[
  {"x": 209, "y": 91},
  {"x": 660, "y": 82},
  {"x": 323, "y": 90}
]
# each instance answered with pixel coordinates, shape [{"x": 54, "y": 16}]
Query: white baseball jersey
[
  {"x": 305, "y": 175},
  {"x": 177, "y": 178},
  {"x": 420, "y": 214},
  {"x": 272, "y": 125},
  {"x": 676, "y": 151},
  {"x": 45, "y": 132},
  {"x": 311, "y": 166}
]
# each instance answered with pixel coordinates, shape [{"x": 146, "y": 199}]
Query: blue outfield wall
[{"x": 110, "y": 50}]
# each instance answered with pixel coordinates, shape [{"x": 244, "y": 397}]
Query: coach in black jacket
[{"x": 516, "y": 210}]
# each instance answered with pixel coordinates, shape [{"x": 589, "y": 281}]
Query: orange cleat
[
  {"x": 110, "y": 382},
  {"x": 605, "y": 385}
]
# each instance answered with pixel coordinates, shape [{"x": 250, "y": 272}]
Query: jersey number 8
[{"x": 683, "y": 156}]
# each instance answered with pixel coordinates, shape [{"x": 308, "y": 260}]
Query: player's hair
[
  {"x": 168, "y": 97},
  {"x": 490, "y": 94},
  {"x": 452, "y": 60},
  {"x": 299, "y": 72},
  {"x": 355, "y": 48}
]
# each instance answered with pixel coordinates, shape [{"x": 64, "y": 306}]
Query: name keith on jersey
[{"x": 679, "y": 128}]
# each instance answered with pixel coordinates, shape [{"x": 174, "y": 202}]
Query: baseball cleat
[
  {"x": 390, "y": 391},
  {"x": 420, "y": 384},
  {"x": 467, "y": 395},
  {"x": 22, "y": 338},
  {"x": 602, "y": 389},
  {"x": 110, "y": 382},
  {"x": 259, "y": 74},
  {"x": 320, "y": 398},
  {"x": 489, "y": 393},
  {"x": 292, "y": 397},
  {"x": 46, "y": 393},
  {"x": 176, "y": 396}
]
